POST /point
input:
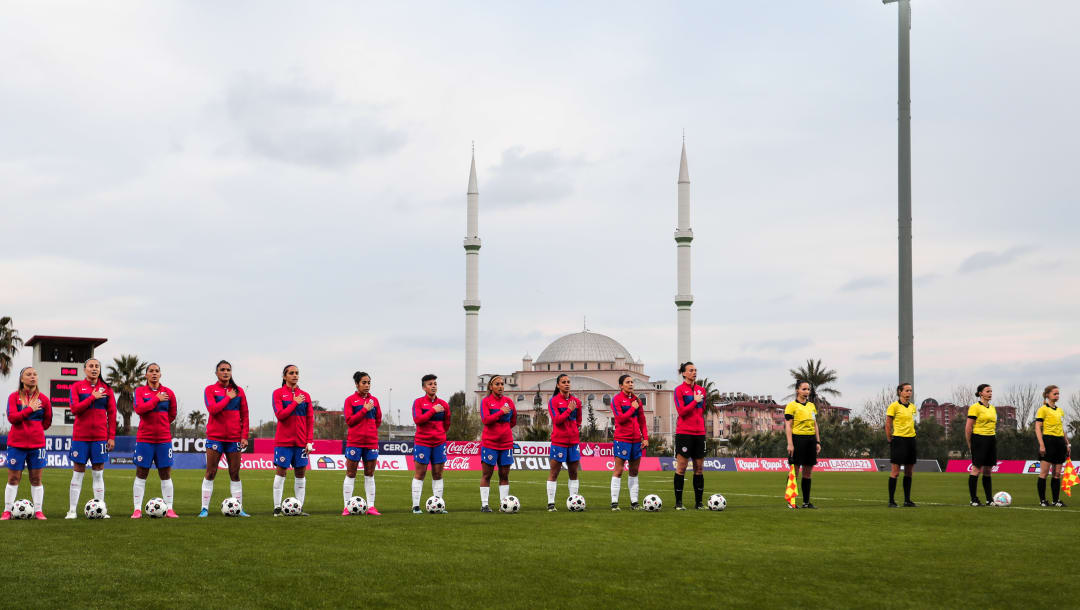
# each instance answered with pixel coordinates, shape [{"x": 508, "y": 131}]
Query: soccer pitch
[{"x": 851, "y": 552}]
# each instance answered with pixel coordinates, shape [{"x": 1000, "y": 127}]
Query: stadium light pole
[{"x": 906, "y": 331}]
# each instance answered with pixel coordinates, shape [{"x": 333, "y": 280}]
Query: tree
[
  {"x": 963, "y": 395},
  {"x": 819, "y": 377},
  {"x": 1026, "y": 397},
  {"x": 464, "y": 422},
  {"x": 658, "y": 448},
  {"x": 196, "y": 419},
  {"x": 125, "y": 374},
  {"x": 10, "y": 342},
  {"x": 712, "y": 396},
  {"x": 873, "y": 410},
  {"x": 1072, "y": 408}
]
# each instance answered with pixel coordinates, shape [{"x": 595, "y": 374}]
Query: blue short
[
  {"x": 92, "y": 450},
  {"x": 17, "y": 458},
  {"x": 222, "y": 446},
  {"x": 361, "y": 454},
  {"x": 627, "y": 451},
  {"x": 430, "y": 455},
  {"x": 150, "y": 454},
  {"x": 491, "y": 457},
  {"x": 565, "y": 454},
  {"x": 297, "y": 457}
]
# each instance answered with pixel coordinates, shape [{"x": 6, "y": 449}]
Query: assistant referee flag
[
  {"x": 792, "y": 490},
  {"x": 1069, "y": 478}
]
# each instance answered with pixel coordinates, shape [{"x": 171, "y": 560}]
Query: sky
[{"x": 274, "y": 183}]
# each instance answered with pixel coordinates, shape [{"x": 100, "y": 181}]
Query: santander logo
[{"x": 587, "y": 450}]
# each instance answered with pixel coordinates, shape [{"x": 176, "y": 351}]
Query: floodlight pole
[{"x": 906, "y": 331}]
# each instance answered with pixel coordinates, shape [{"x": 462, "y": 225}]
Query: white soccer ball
[
  {"x": 291, "y": 507},
  {"x": 1002, "y": 498},
  {"x": 95, "y": 509},
  {"x": 22, "y": 509},
  {"x": 652, "y": 503},
  {"x": 575, "y": 503},
  {"x": 356, "y": 505},
  {"x": 156, "y": 508},
  {"x": 510, "y": 505},
  {"x": 435, "y": 504},
  {"x": 230, "y": 507},
  {"x": 717, "y": 502}
]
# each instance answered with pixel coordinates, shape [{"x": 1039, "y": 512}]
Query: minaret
[
  {"x": 683, "y": 236},
  {"x": 472, "y": 285}
]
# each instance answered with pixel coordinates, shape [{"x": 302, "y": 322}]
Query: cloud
[
  {"x": 528, "y": 177},
  {"x": 864, "y": 283},
  {"x": 297, "y": 124},
  {"x": 875, "y": 356},
  {"x": 1066, "y": 366},
  {"x": 927, "y": 278},
  {"x": 988, "y": 259},
  {"x": 778, "y": 345}
]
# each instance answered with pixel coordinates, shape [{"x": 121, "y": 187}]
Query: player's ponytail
[{"x": 557, "y": 379}]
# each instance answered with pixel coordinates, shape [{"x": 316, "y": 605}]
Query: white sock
[
  {"x": 299, "y": 488},
  {"x": 10, "y": 493},
  {"x": 551, "y": 492},
  {"x": 98, "y": 482},
  {"x": 485, "y": 493},
  {"x": 207, "y": 491},
  {"x": 347, "y": 488},
  {"x": 236, "y": 490},
  {"x": 616, "y": 484},
  {"x": 369, "y": 490},
  {"x": 633, "y": 485},
  {"x": 504, "y": 490},
  {"x": 279, "y": 486},
  {"x": 167, "y": 492},
  {"x": 573, "y": 485},
  {"x": 37, "y": 494},
  {"x": 417, "y": 490},
  {"x": 75, "y": 490},
  {"x": 138, "y": 490},
  {"x": 436, "y": 488}
]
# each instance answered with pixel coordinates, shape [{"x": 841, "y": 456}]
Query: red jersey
[
  {"x": 363, "y": 427},
  {"x": 228, "y": 417},
  {"x": 95, "y": 420},
  {"x": 295, "y": 420},
  {"x": 498, "y": 432},
  {"x": 430, "y": 426},
  {"x": 155, "y": 415},
  {"x": 28, "y": 426},
  {"x": 565, "y": 414},
  {"x": 629, "y": 420},
  {"x": 691, "y": 412}
]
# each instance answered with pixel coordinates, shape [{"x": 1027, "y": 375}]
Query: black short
[
  {"x": 690, "y": 446},
  {"x": 1055, "y": 449},
  {"x": 805, "y": 453},
  {"x": 902, "y": 450},
  {"x": 983, "y": 450}
]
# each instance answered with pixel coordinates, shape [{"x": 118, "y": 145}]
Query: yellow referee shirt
[
  {"x": 903, "y": 423},
  {"x": 1051, "y": 419},
  {"x": 803, "y": 417},
  {"x": 985, "y": 417}
]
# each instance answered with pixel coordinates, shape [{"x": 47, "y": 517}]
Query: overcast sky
[{"x": 277, "y": 183}]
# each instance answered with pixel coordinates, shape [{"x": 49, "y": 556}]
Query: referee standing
[
  {"x": 981, "y": 431},
  {"x": 1054, "y": 447},
  {"x": 803, "y": 436},
  {"x": 900, "y": 432}
]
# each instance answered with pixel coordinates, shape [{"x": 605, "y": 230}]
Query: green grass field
[{"x": 852, "y": 552}]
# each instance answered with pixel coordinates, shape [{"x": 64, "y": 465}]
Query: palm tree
[
  {"x": 124, "y": 375},
  {"x": 196, "y": 419},
  {"x": 819, "y": 378},
  {"x": 712, "y": 396},
  {"x": 10, "y": 342}
]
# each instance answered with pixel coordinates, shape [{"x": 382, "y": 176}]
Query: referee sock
[
  {"x": 892, "y": 490},
  {"x": 699, "y": 487},
  {"x": 1055, "y": 488},
  {"x": 279, "y": 487},
  {"x": 806, "y": 490},
  {"x": 973, "y": 487},
  {"x": 907, "y": 488},
  {"x": 1041, "y": 486},
  {"x": 988, "y": 488},
  {"x": 680, "y": 480}
]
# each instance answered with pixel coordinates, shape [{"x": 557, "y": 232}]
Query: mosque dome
[{"x": 584, "y": 346}]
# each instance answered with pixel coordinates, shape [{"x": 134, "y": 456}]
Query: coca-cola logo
[
  {"x": 463, "y": 448},
  {"x": 457, "y": 463}
]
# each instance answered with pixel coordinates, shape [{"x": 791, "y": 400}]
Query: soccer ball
[
  {"x": 356, "y": 505},
  {"x": 510, "y": 505},
  {"x": 156, "y": 508},
  {"x": 575, "y": 503},
  {"x": 652, "y": 503},
  {"x": 22, "y": 509},
  {"x": 230, "y": 507},
  {"x": 435, "y": 504},
  {"x": 717, "y": 502},
  {"x": 95, "y": 509},
  {"x": 1002, "y": 498},
  {"x": 291, "y": 507}
]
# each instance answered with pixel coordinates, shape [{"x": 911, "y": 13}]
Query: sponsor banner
[
  {"x": 337, "y": 462},
  {"x": 266, "y": 445},
  {"x": 1032, "y": 466},
  {"x": 711, "y": 464},
  {"x": 527, "y": 448},
  {"x": 823, "y": 465},
  {"x": 761, "y": 464},
  {"x": 920, "y": 465},
  {"x": 395, "y": 447},
  {"x": 1003, "y": 466},
  {"x": 198, "y": 445}
]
